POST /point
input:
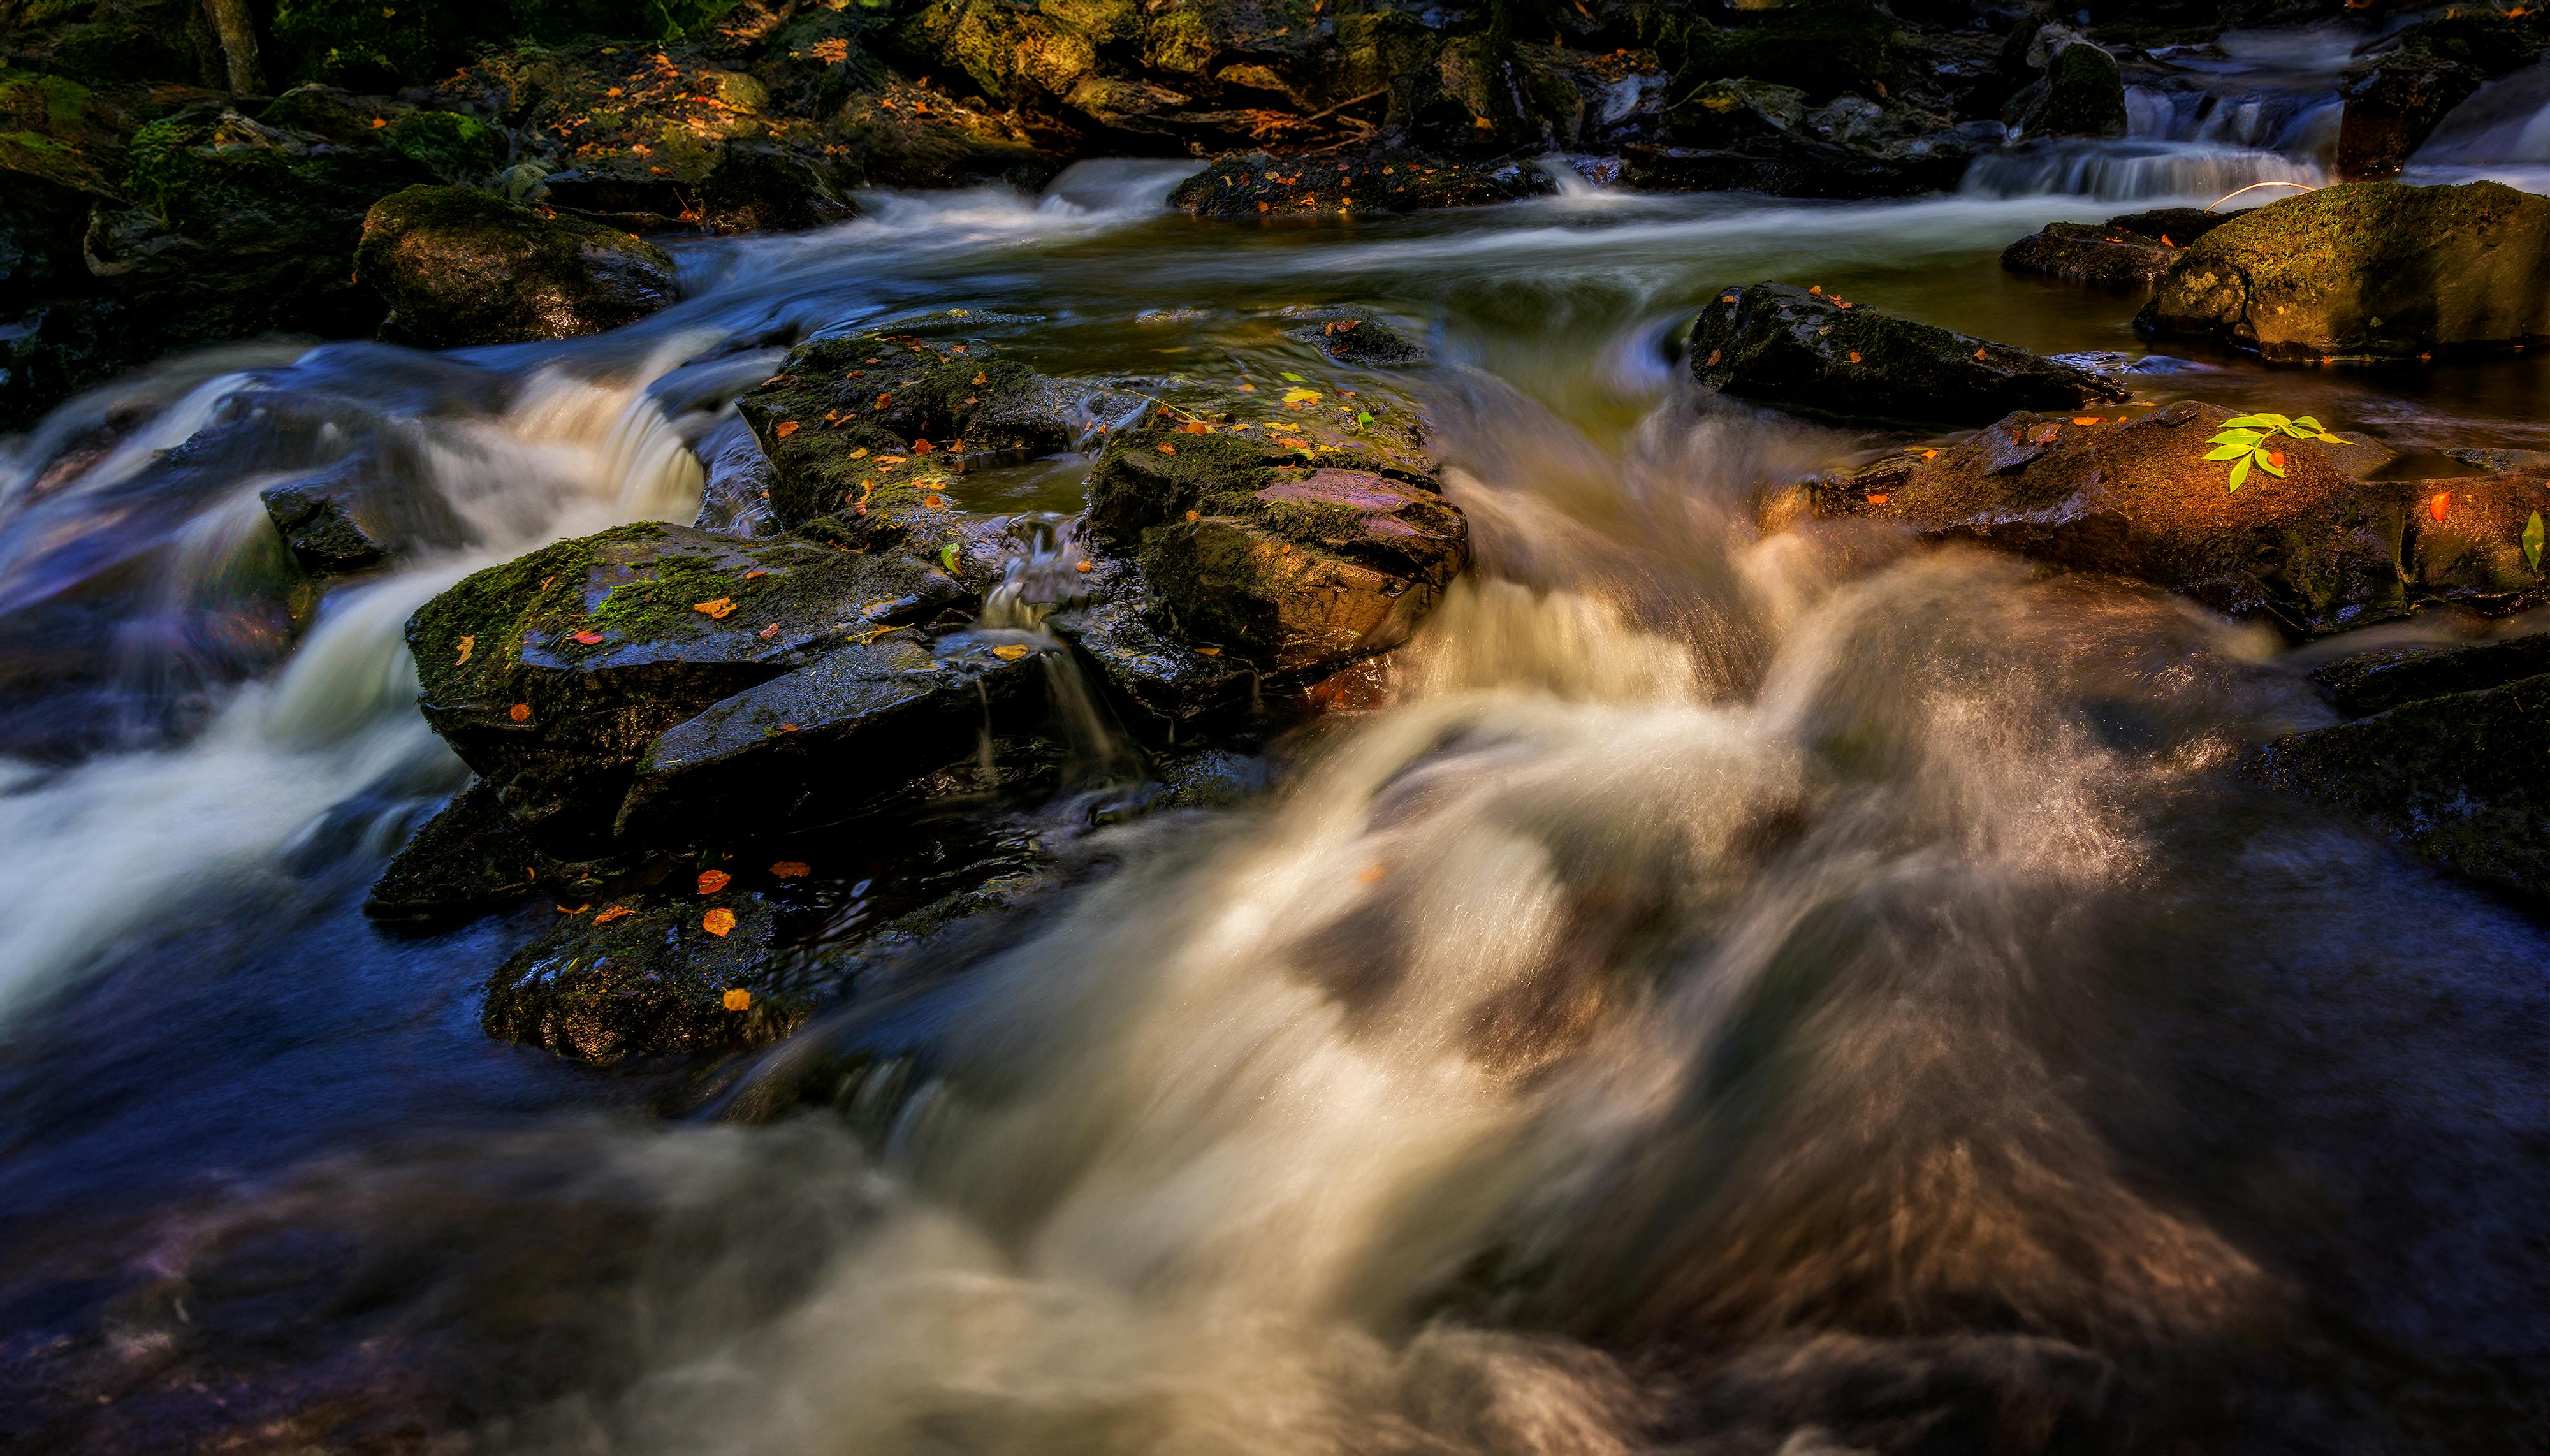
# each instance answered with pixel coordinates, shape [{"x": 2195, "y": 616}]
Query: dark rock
[
  {"x": 760, "y": 188},
  {"x": 2383, "y": 679},
  {"x": 559, "y": 724},
  {"x": 1742, "y": 134},
  {"x": 867, "y": 430},
  {"x": 856, "y": 722},
  {"x": 2370, "y": 268},
  {"x": 2081, "y": 94},
  {"x": 2177, "y": 226},
  {"x": 1247, "y": 184},
  {"x": 346, "y": 518},
  {"x": 460, "y": 267},
  {"x": 1801, "y": 349},
  {"x": 2501, "y": 461},
  {"x": 2081, "y": 253},
  {"x": 1820, "y": 48},
  {"x": 466, "y": 860},
  {"x": 1296, "y": 545},
  {"x": 653, "y": 981},
  {"x": 2464, "y": 541},
  {"x": 1355, "y": 335},
  {"x": 1160, "y": 687},
  {"x": 2464, "y": 779},
  {"x": 2395, "y": 100},
  {"x": 2317, "y": 550}
]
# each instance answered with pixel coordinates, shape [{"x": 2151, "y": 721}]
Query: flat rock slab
[
  {"x": 859, "y": 722},
  {"x": 553, "y": 675},
  {"x": 1800, "y": 349},
  {"x": 2463, "y": 779}
]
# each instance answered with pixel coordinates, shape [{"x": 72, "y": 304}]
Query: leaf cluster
[{"x": 2250, "y": 441}]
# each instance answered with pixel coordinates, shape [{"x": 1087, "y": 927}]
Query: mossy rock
[
  {"x": 846, "y": 421},
  {"x": 1385, "y": 180},
  {"x": 559, "y": 724},
  {"x": 2366, "y": 269},
  {"x": 1821, "y": 47},
  {"x": 2464, "y": 779},
  {"x": 469, "y": 859},
  {"x": 374, "y": 48},
  {"x": 54, "y": 129},
  {"x": 2317, "y": 550},
  {"x": 459, "y": 267},
  {"x": 2393, "y": 101},
  {"x": 1736, "y": 109},
  {"x": 1800, "y": 349},
  {"x": 1355, "y": 335},
  {"x": 642, "y": 975},
  {"x": 2081, "y": 94}
]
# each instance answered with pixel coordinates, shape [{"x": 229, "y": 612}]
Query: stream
[{"x": 1747, "y": 992}]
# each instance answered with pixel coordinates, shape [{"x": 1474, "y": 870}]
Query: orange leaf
[
  {"x": 1194, "y": 426},
  {"x": 718, "y": 921},
  {"x": 935, "y": 503},
  {"x": 1978, "y": 354},
  {"x": 2165, "y": 243},
  {"x": 790, "y": 869},
  {"x": 756, "y": 571},
  {"x": 2090, "y": 419},
  {"x": 1854, "y": 356},
  {"x": 1881, "y": 498},
  {"x": 737, "y": 999},
  {"x": 712, "y": 881},
  {"x": 1082, "y": 567},
  {"x": 981, "y": 378},
  {"x": 1713, "y": 356},
  {"x": 612, "y": 914},
  {"x": 1929, "y": 455},
  {"x": 1210, "y": 651},
  {"x": 1009, "y": 651},
  {"x": 884, "y": 400},
  {"x": 2275, "y": 459},
  {"x": 1194, "y": 515},
  {"x": 2442, "y": 501},
  {"x": 1166, "y": 449},
  {"x": 718, "y": 610},
  {"x": 1818, "y": 290},
  {"x": 784, "y": 429},
  {"x": 588, "y": 638},
  {"x": 468, "y": 645},
  {"x": 921, "y": 448},
  {"x": 767, "y": 632},
  {"x": 521, "y": 712},
  {"x": 1371, "y": 872}
]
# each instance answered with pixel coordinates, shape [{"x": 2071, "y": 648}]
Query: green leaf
[
  {"x": 2308, "y": 425},
  {"x": 2268, "y": 465},
  {"x": 2532, "y": 542},
  {"x": 2240, "y": 472},
  {"x": 947, "y": 556},
  {"x": 2257, "y": 422},
  {"x": 2231, "y": 451},
  {"x": 2238, "y": 437},
  {"x": 2331, "y": 439},
  {"x": 1289, "y": 374},
  {"x": 1362, "y": 417}
]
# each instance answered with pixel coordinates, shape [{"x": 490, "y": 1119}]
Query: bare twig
[{"x": 2252, "y": 187}]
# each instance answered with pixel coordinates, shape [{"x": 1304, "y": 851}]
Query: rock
[
  {"x": 1820, "y": 48},
  {"x": 2463, "y": 779},
  {"x": 2377, "y": 681},
  {"x": 2500, "y": 460},
  {"x": 1801, "y": 349},
  {"x": 756, "y": 187},
  {"x": 865, "y": 429},
  {"x": 560, "y": 726},
  {"x": 469, "y": 859},
  {"x": 2081, "y": 94},
  {"x": 348, "y": 518},
  {"x": 2394, "y": 99},
  {"x": 1246, "y": 184},
  {"x": 1736, "y": 134},
  {"x": 1161, "y": 688},
  {"x": 651, "y": 982},
  {"x": 2366, "y": 269},
  {"x": 2317, "y": 550},
  {"x": 1296, "y": 544},
  {"x": 2466, "y": 539},
  {"x": 854, "y": 722},
  {"x": 1355, "y": 335},
  {"x": 461, "y": 267},
  {"x": 2128, "y": 252}
]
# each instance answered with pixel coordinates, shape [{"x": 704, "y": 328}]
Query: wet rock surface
[
  {"x": 2128, "y": 252},
  {"x": 1798, "y": 348},
  {"x": 2373, "y": 269},
  {"x": 2316, "y": 550},
  {"x": 1383, "y": 181},
  {"x": 2395, "y": 98},
  {"x": 674, "y": 976},
  {"x": 2383, "y": 679},
  {"x": 459, "y": 268},
  {"x": 469, "y": 859}
]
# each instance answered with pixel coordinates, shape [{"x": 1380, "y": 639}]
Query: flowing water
[{"x": 1749, "y": 991}]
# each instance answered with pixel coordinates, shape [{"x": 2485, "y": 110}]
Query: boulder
[
  {"x": 1161, "y": 688},
  {"x": 869, "y": 716},
  {"x": 1246, "y": 184},
  {"x": 2128, "y": 252},
  {"x": 463, "y": 267},
  {"x": 2317, "y": 550},
  {"x": 1741, "y": 135},
  {"x": 348, "y": 518},
  {"x": 645, "y": 976},
  {"x": 2394, "y": 99},
  {"x": 2498, "y": 459},
  {"x": 1295, "y": 543},
  {"x": 2373, "y": 269},
  {"x": 466, "y": 860},
  {"x": 1820, "y": 47},
  {"x": 2081, "y": 94},
  {"x": 758, "y": 187},
  {"x": 2463, "y": 779},
  {"x": 2464, "y": 541},
  {"x": 560, "y": 723},
  {"x": 2383, "y": 679},
  {"x": 1800, "y": 349},
  {"x": 1355, "y": 335}
]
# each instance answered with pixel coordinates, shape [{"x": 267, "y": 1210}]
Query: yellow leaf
[
  {"x": 468, "y": 645},
  {"x": 1009, "y": 651},
  {"x": 718, "y": 921},
  {"x": 1301, "y": 396},
  {"x": 716, "y": 610},
  {"x": 739, "y": 999}
]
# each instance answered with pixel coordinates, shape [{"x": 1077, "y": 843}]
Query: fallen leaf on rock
[
  {"x": 521, "y": 712},
  {"x": 784, "y": 429},
  {"x": 1009, "y": 651},
  {"x": 588, "y": 638},
  {"x": 1210, "y": 651},
  {"x": 1166, "y": 449},
  {"x": 921, "y": 448},
  {"x": 767, "y": 632},
  {"x": 1288, "y": 374},
  {"x": 860, "y": 454},
  {"x": 1714, "y": 356},
  {"x": 790, "y": 869},
  {"x": 2440, "y": 503},
  {"x": 756, "y": 571},
  {"x": 574, "y": 909},
  {"x": 468, "y": 645},
  {"x": 716, "y": 610},
  {"x": 737, "y": 999},
  {"x": 1301, "y": 396},
  {"x": 1978, "y": 354},
  {"x": 1854, "y": 356},
  {"x": 1880, "y": 498},
  {"x": 1081, "y": 566},
  {"x": 1194, "y": 515},
  {"x": 935, "y": 502},
  {"x": 1194, "y": 426},
  {"x": 612, "y": 914},
  {"x": 718, "y": 921},
  {"x": 712, "y": 881},
  {"x": 2085, "y": 420}
]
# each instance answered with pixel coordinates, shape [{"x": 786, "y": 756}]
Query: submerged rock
[
  {"x": 1356, "y": 336},
  {"x": 469, "y": 858},
  {"x": 1799, "y": 348},
  {"x": 2317, "y": 550},
  {"x": 553, "y": 675},
  {"x": 459, "y": 268},
  {"x": 1246, "y": 184},
  {"x": 642, "y": 976},
  {"x": 2463, "y": 778},
  {"x": 1296, "y": 543},
  {"x": 1165, "y": 688},
  {"x": 2366, "y": 269}
]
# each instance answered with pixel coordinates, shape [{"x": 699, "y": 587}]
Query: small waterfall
[
  {"x": 1040, "y": 579},
  {"x": 2500, "y": 134},
  {"x": 2132, "y": 170}
]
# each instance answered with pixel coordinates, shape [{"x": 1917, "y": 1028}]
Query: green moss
[
  {"x": 496, "y": 607},
  {"x": 447, "y": 143},
  {"x": 2309, "y": 239},
  {"x": 1820, "y": 47}
]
